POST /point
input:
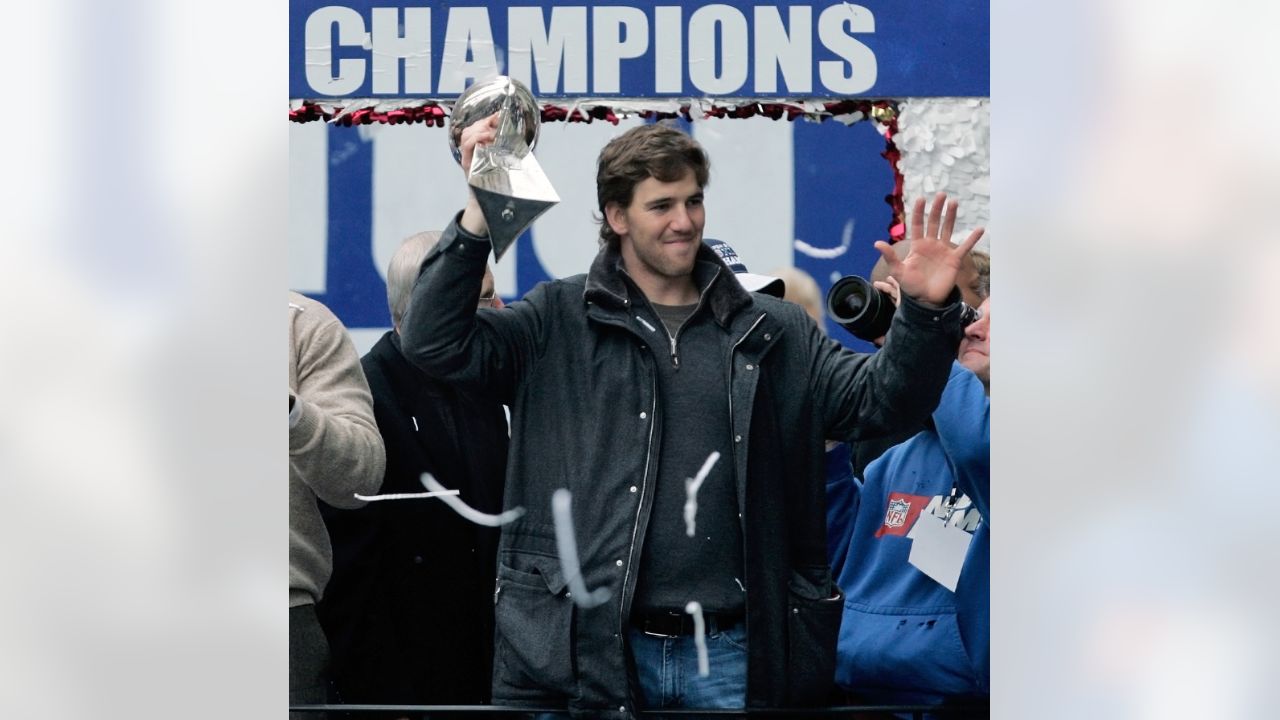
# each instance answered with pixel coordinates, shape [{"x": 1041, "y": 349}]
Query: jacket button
[
  {"x": 737, "y": 438},
  {"x": 767, "y": 336},
  {"x": 750, "y": 366},
  {"x": 643, "y": 415},
  {"x": 633, "y": 488},
  {"x": 618, "y": 563},
  {"x": 622, "y": 709}
]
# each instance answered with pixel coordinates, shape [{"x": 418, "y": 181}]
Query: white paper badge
[{"x": 937, "y": 550}]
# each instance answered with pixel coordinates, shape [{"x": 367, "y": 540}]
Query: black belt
[{"x": 673, "y": 624}]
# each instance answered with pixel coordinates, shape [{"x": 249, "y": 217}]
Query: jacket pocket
[
  {"x": 533, "y": 622},
  {"x": 814, "y": 607},
  {"x": 903, "y": 652}
]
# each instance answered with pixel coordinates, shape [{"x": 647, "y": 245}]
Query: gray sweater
[{"x": 335, "y": 449}]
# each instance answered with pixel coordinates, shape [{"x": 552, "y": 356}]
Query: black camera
[{"x": 857, "y": 306}]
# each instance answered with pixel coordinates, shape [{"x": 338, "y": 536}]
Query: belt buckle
[{"x": 677, "y": 617}]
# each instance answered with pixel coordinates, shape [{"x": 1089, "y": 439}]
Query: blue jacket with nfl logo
[{"x": 905, "y": 637}]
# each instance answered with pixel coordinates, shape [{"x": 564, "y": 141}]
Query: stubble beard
[{"x": 658, "y": 263}]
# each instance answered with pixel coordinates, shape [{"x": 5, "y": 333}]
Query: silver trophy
[{"x": 508, "y": 182}]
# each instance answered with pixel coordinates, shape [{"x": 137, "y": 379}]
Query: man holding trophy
[{"x": 622, "y": 383}]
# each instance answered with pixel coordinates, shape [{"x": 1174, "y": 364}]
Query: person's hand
[
  {"x": 928, "y": 272},
  {"x": 480, "y": 132},
  {"x": 890, "y": 287}
]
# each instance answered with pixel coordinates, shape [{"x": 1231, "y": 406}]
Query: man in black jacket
[
  {"x": 622, "y": 382},
  {"x": 409, "y": 609}
]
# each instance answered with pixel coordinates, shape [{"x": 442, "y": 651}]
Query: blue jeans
[{"x": 668, "y": 669}]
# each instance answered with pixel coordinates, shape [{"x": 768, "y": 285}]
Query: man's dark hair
[{"x": 653, "y": 150}]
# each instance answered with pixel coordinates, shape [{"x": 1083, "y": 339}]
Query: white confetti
[
  {"x": 466, "y": 510},
  {"x": 850, "y": 118},
  {"x": 691, "y": 486},
  {"x": 694, "y": 608},
  {"x": 846, "y": 237},
  {"x": 405, "y": 496},
  {"x": 567, "y": 548}
]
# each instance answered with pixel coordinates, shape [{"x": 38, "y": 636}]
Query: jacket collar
[{"x": 607, "y": 284}]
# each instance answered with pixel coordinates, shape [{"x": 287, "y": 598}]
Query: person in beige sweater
[{"x": 335, "y": 451}]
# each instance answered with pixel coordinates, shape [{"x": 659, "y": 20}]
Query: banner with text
[{"x": 881, "y": 48}]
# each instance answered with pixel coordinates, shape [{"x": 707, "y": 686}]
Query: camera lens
[
  {"x": 855, "y": 302},
  {"x": 860, "y": 308}
]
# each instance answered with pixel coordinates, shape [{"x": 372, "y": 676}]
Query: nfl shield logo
[{"x": 896, "y": 517}]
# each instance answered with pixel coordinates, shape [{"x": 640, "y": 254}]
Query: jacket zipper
[
  {"x": 732, "y": 350},
  {"x": 733, "y": 427},
  {"x": 635, "y": 528}
]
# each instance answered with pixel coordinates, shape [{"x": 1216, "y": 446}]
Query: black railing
[{"x": 976, "y": 709}]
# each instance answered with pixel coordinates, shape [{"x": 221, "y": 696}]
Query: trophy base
[{"x": 508, "y": 217}]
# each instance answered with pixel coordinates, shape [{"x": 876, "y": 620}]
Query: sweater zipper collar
[{"x": 674, "y": 338}]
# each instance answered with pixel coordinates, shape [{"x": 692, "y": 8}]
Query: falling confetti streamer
[
  {"x": 694, "y": 608},
  {"x": 691, "y": 486},
  {"x": 568, "y": 550},
  {"x": 846, "y": 238},
  {"x": 468, "y": 512},
  {"x": 405, "y": 496}
]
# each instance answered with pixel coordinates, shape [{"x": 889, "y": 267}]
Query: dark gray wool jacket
[{"x": 571, "y": 361}]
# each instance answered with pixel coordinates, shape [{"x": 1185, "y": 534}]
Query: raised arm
[
  {"x": 866, "y": 396},
  {"x": 442, "y": 332},
  {"x": 896, "y": 388}
]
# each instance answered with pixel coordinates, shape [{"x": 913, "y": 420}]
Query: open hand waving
[{"x": 928, "y": 272}]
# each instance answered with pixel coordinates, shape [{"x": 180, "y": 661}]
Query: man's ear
[{"x": 616, "y": 216}]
